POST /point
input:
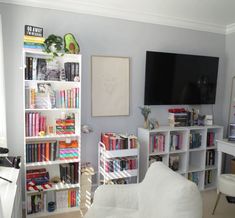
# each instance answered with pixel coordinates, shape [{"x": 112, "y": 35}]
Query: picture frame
[{"x": 110, "y": 78}]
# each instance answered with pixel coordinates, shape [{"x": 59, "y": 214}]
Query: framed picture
[{"x": 110, "y": 85}]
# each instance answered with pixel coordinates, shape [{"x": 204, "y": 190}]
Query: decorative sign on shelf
[{"x": 33, "y": 31}]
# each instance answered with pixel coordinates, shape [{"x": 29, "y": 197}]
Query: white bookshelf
[
  {"x": 192, "y": 161},
  {"x": 53, "y": 166},
  {"x": 104, "y": 156}
]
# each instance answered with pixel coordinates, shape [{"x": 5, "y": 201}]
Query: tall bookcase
[
  {"x": 110, "y": 161},
  {"x": 52, "y": 132},
  {"x": 190, "y": 151}
]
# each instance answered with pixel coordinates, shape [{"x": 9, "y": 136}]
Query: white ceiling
[{"x": 206, "y": 15}]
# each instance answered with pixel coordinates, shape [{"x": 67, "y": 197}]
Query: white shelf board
[
  {"x": 120, "y": 153},
  {"x": 57, "y": 187},
  {"x": 210, "y": 168},
  {"x": 177, "y": 152},
  {"x": 57, "y": 211},
  {"x": 119, "y": 174},
  {"x": 158, "y": 153},
  {"x": 45, "y": 163},
  {"x": 52, "y": 109},
  {"x": 29, "y": 138},
  {"x": 53, "y": 81},
  {"x": 212, "y": 147},
  {"x": 197, "y": 149},
  {"x": 193, "y": 169}
]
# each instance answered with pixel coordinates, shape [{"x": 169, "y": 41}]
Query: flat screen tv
[{"x": 173, "y": 79}]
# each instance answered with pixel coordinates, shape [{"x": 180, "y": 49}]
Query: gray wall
[{"x": 101, "y": 36}]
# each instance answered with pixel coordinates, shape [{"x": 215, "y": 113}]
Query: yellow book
[
  {"x": 69, "y": 196},
  {"x": 34, "y": 38}
]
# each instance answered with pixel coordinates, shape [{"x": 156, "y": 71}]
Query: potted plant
[{"x": 53, "y": 44}]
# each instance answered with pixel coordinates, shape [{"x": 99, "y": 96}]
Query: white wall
[{"x": 101, "y": 36}]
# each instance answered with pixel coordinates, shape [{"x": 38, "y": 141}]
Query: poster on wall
[{"x": 110, "y": 85}]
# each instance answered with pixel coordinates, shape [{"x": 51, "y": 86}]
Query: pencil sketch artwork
[{"x": 110, "y": 86}]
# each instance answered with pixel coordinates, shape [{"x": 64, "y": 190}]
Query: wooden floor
[{"x": 224, "y": 209}]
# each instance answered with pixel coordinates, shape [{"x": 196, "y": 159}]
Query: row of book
[
  {"x": 176, "y": 140},
  {"x": 69, "y": 173},
  {"x": 195, "y": 140},
  {"x": 38, "y": 152},
  {"x": 210, "y": 158},
  {"x": 63, "y": 199},
  {"x": 68, "y": 98},
  {"x": 122, "y": 164},
  {"x": 42, "y": 69},
  {"x": 208, "y": 177},
  {"x": 34, "y": 123},
  {"x": 194, "y": 177},
  {"x": 67, "y": 198},
  {"x": 157, "y": 143},
  {"x": 50, "y": 151},
  {"x": 66, "y": 125},
  {"x": 210, "y": 139},
  {"x": 33, "y": 42},
  {"x": 113, "y": 141}
]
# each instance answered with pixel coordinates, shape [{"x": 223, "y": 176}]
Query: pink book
[
  {"x": 26, "y": 124},
  {"x": 30, "y": 124}
]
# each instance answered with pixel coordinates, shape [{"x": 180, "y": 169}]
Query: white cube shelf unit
[
  {"x": 190, "y": 151},
  {"x": 107, "y": 157},
  {"x": 48, "y": 150}
]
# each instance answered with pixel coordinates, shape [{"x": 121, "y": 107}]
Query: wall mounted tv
[{"x": 173, "y": 79}]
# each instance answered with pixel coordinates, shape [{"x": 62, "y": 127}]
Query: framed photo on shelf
[{"x": 110, "y": 85}]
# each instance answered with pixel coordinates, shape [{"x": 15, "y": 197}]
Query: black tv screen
[{"x": 172, "y": 79}]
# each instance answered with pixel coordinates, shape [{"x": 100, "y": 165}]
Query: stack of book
[
  {"x": 67, "y": 198},
  {"x": 66, "y": 126},
  {"x": 39, "y": 152},
  {"x": 195, "y": 140},
  {"x": 68, "y": 151},
  {"x": 210, "y": 139},
  {"x": 35, "y": 122},
  {"x": 177, "y": 119},
  {"x": 37, "y": 179},
  {"x": 33, "y": 42},
  {"x": 210, "y": 158},
  {"x": 175, "y": 141},
  {"x": 157, "y": 143},
  {"x": 114, "y": 141},
  {"x": 120, "y": 164},
  {"x": 69, "y": 173}
]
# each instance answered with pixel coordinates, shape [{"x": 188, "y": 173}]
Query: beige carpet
[{"x": 224, "y": 209}]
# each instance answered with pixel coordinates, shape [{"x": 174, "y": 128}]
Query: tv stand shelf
[{"x": 191, "y": 151}]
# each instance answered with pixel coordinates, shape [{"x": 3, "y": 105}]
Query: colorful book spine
[
  {"x": 35, "y": 123},
  {"x": 39, "y": 152}
]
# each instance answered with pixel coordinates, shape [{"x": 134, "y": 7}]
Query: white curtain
[{"x": 3, "y": 135}]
